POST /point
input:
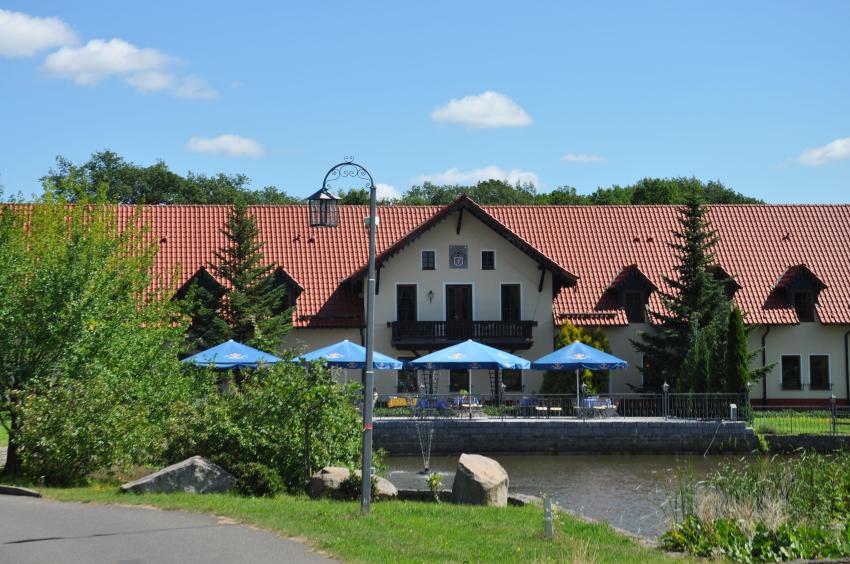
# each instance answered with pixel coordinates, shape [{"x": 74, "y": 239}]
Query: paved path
[{"x": 34, "y": 530}]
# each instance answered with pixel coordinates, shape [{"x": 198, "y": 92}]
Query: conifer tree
[
  {"x": 695, "y": 297},
  {"x": 737, "y": 356},
  {"x": 251, "y": 310}
]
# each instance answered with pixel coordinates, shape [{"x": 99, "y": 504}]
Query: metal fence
[
  {"x": 663, "y": 405},
  {"x": 801, "y": 420}
]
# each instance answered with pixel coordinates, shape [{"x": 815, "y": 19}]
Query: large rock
[
  {"x": 193, "y": 475},
  {"x": 328, "y": 481},
  {"x": 480, "y": 481}
]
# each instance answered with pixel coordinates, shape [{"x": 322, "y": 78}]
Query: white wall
[
  {"x": 619, "y": 339},
  {"x": 803, "y": 339},
  {"x": 512, "y": 267}
]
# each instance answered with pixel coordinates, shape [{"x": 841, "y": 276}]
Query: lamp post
[
  {"x": 324, "y": 212},
  {"x": 665, "y": 408}
]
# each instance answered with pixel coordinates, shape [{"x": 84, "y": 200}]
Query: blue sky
[{"x": 756, "y": 94}]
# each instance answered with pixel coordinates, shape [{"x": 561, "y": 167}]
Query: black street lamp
[
  {"x": 324, "y": 212},
  {"x": 324, "y": 208}
]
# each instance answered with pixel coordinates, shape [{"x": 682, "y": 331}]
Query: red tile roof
[{"x": 758, "y": 244}]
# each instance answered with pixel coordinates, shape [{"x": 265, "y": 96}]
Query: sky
[{"x": 754, "y": 94}]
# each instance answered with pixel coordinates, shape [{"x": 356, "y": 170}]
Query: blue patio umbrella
[
  {"x": 470, "y": 355},
  {"x": 577, "y": 356},
  {"x": 346, "y": 354},
  {"x": 231, "y": 354}
]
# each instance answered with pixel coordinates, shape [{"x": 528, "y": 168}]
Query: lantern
[{"x": 324, "y": 209}]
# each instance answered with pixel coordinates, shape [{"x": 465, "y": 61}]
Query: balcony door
[{"x": 459, "y": 302}]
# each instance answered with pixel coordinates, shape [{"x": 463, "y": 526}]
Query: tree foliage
[
  {"x": 251, "y": 310},
  {"x": 564, "y": 382},
  {"x": 108, "y": 176},
  {"x": 81, "y": 336},
  {"x": 698, "y": 343}
]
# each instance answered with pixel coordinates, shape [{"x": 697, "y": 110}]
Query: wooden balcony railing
[{"x": 513, "y": 335}]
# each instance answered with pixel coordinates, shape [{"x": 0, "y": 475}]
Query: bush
[
  {"x": 283, "y": 417},
  {"x": 257, "y": 479}
]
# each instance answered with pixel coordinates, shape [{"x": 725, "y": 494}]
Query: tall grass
[{"x": 764, "y": 509}]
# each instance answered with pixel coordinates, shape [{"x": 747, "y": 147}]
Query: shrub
[
  {"x": 283, "y": 417},
  {"x": 257, "y": 479}
]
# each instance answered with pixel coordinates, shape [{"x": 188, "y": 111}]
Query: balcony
[{"x": 431, "y": 335}]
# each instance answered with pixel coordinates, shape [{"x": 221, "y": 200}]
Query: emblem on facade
[{"x": 458, "y": 255}]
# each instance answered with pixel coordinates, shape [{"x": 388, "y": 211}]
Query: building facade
[{"x": 510, "y": 276}]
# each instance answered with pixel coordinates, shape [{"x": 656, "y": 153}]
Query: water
[{"x": 626, "y": 490}]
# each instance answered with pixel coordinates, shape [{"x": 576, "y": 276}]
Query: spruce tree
[
  {"x": 206, "y": 326},
  {"x": 694, "y": 297},
  {"x": 252, "y": 305}
]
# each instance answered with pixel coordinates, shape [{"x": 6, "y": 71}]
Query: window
[
  {"x": 405, "y": 296},
  {"x": 488, "y": 260},
  {"x": 819, "y": 372},
  {"x": 459, "y": 380},
  {"x": 407, "y": 382},
  {"x": 512, "y": 379},
  {"x": 633, "y": 304},
  {"x": 429, "y": 261},
  {"x": 791, "y": 373},
  {"x": 804, "y": 305},
  {"x": 511, "y": 306}
]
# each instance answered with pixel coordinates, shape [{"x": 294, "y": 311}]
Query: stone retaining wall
[{"x": 554, "y": 436}]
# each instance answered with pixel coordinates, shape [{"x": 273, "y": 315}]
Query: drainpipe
[
  {"x": 764, "y": 363},
  {"x": 847, "y": 367}
]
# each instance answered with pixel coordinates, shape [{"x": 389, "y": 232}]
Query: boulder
[
  {"x": 328, "y": 481},
  {"x": 193, "y": 475},
  {"x": 480, "y": 481}
]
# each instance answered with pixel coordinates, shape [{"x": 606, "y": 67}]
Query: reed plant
[{"x": 764, "y": 509}]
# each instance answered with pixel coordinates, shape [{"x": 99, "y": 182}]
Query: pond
[{"x": 628, "y": 491}]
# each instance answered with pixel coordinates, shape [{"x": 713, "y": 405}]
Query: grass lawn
[
  {"x": 402, "y": 531},
  {"x": 4, "y": 436},
  {"x": 798, "y": 423}
]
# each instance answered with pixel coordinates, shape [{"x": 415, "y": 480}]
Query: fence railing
[
  {"x": 668, "y": 406},
  {"x": 832, "y": 420}
]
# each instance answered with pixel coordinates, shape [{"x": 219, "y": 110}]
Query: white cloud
[
  {"x": 386, "y": 192},
  {"x": 583, "y": 158},
  {"x": 226, "y": 144},
  {"x": 99, "y": 59},
  {"x": 469, "y": 177},
  {"x": 837, "y": 150},
  {"x": 151, "y": 81},
  {"x": 22, "y": 35},
  {"x": 192, "y": 86},
  {"x": 489, "y": 109}
]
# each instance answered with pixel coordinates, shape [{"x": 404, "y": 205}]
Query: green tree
[
  {"x": 77, "y": 314},
  {"x": 252, "y": 302},
  {"x": 564, "y": 382},
  {"x": 695, "y": 299},
  {"x": 109, "y": 176},
  {"x": 737, "y": 355}
]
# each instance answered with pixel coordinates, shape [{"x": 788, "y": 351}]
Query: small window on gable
[
  {"x": 488, "y": 260},
  {"x": 804, "y": 305},
  {"x": 633, "y": 303},
  {"x": 428, "y": 260}
]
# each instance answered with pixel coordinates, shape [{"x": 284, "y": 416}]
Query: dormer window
[
  {"x": 631, "y": 288},
  {"x": 804, "y": 305},
  {"x": 633, "y": 303},
  {"x": 730, "y": 286},
  {"x": 800, "y": 287}
]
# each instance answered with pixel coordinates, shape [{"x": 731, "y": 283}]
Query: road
[{"x": 38, "y": 531}]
